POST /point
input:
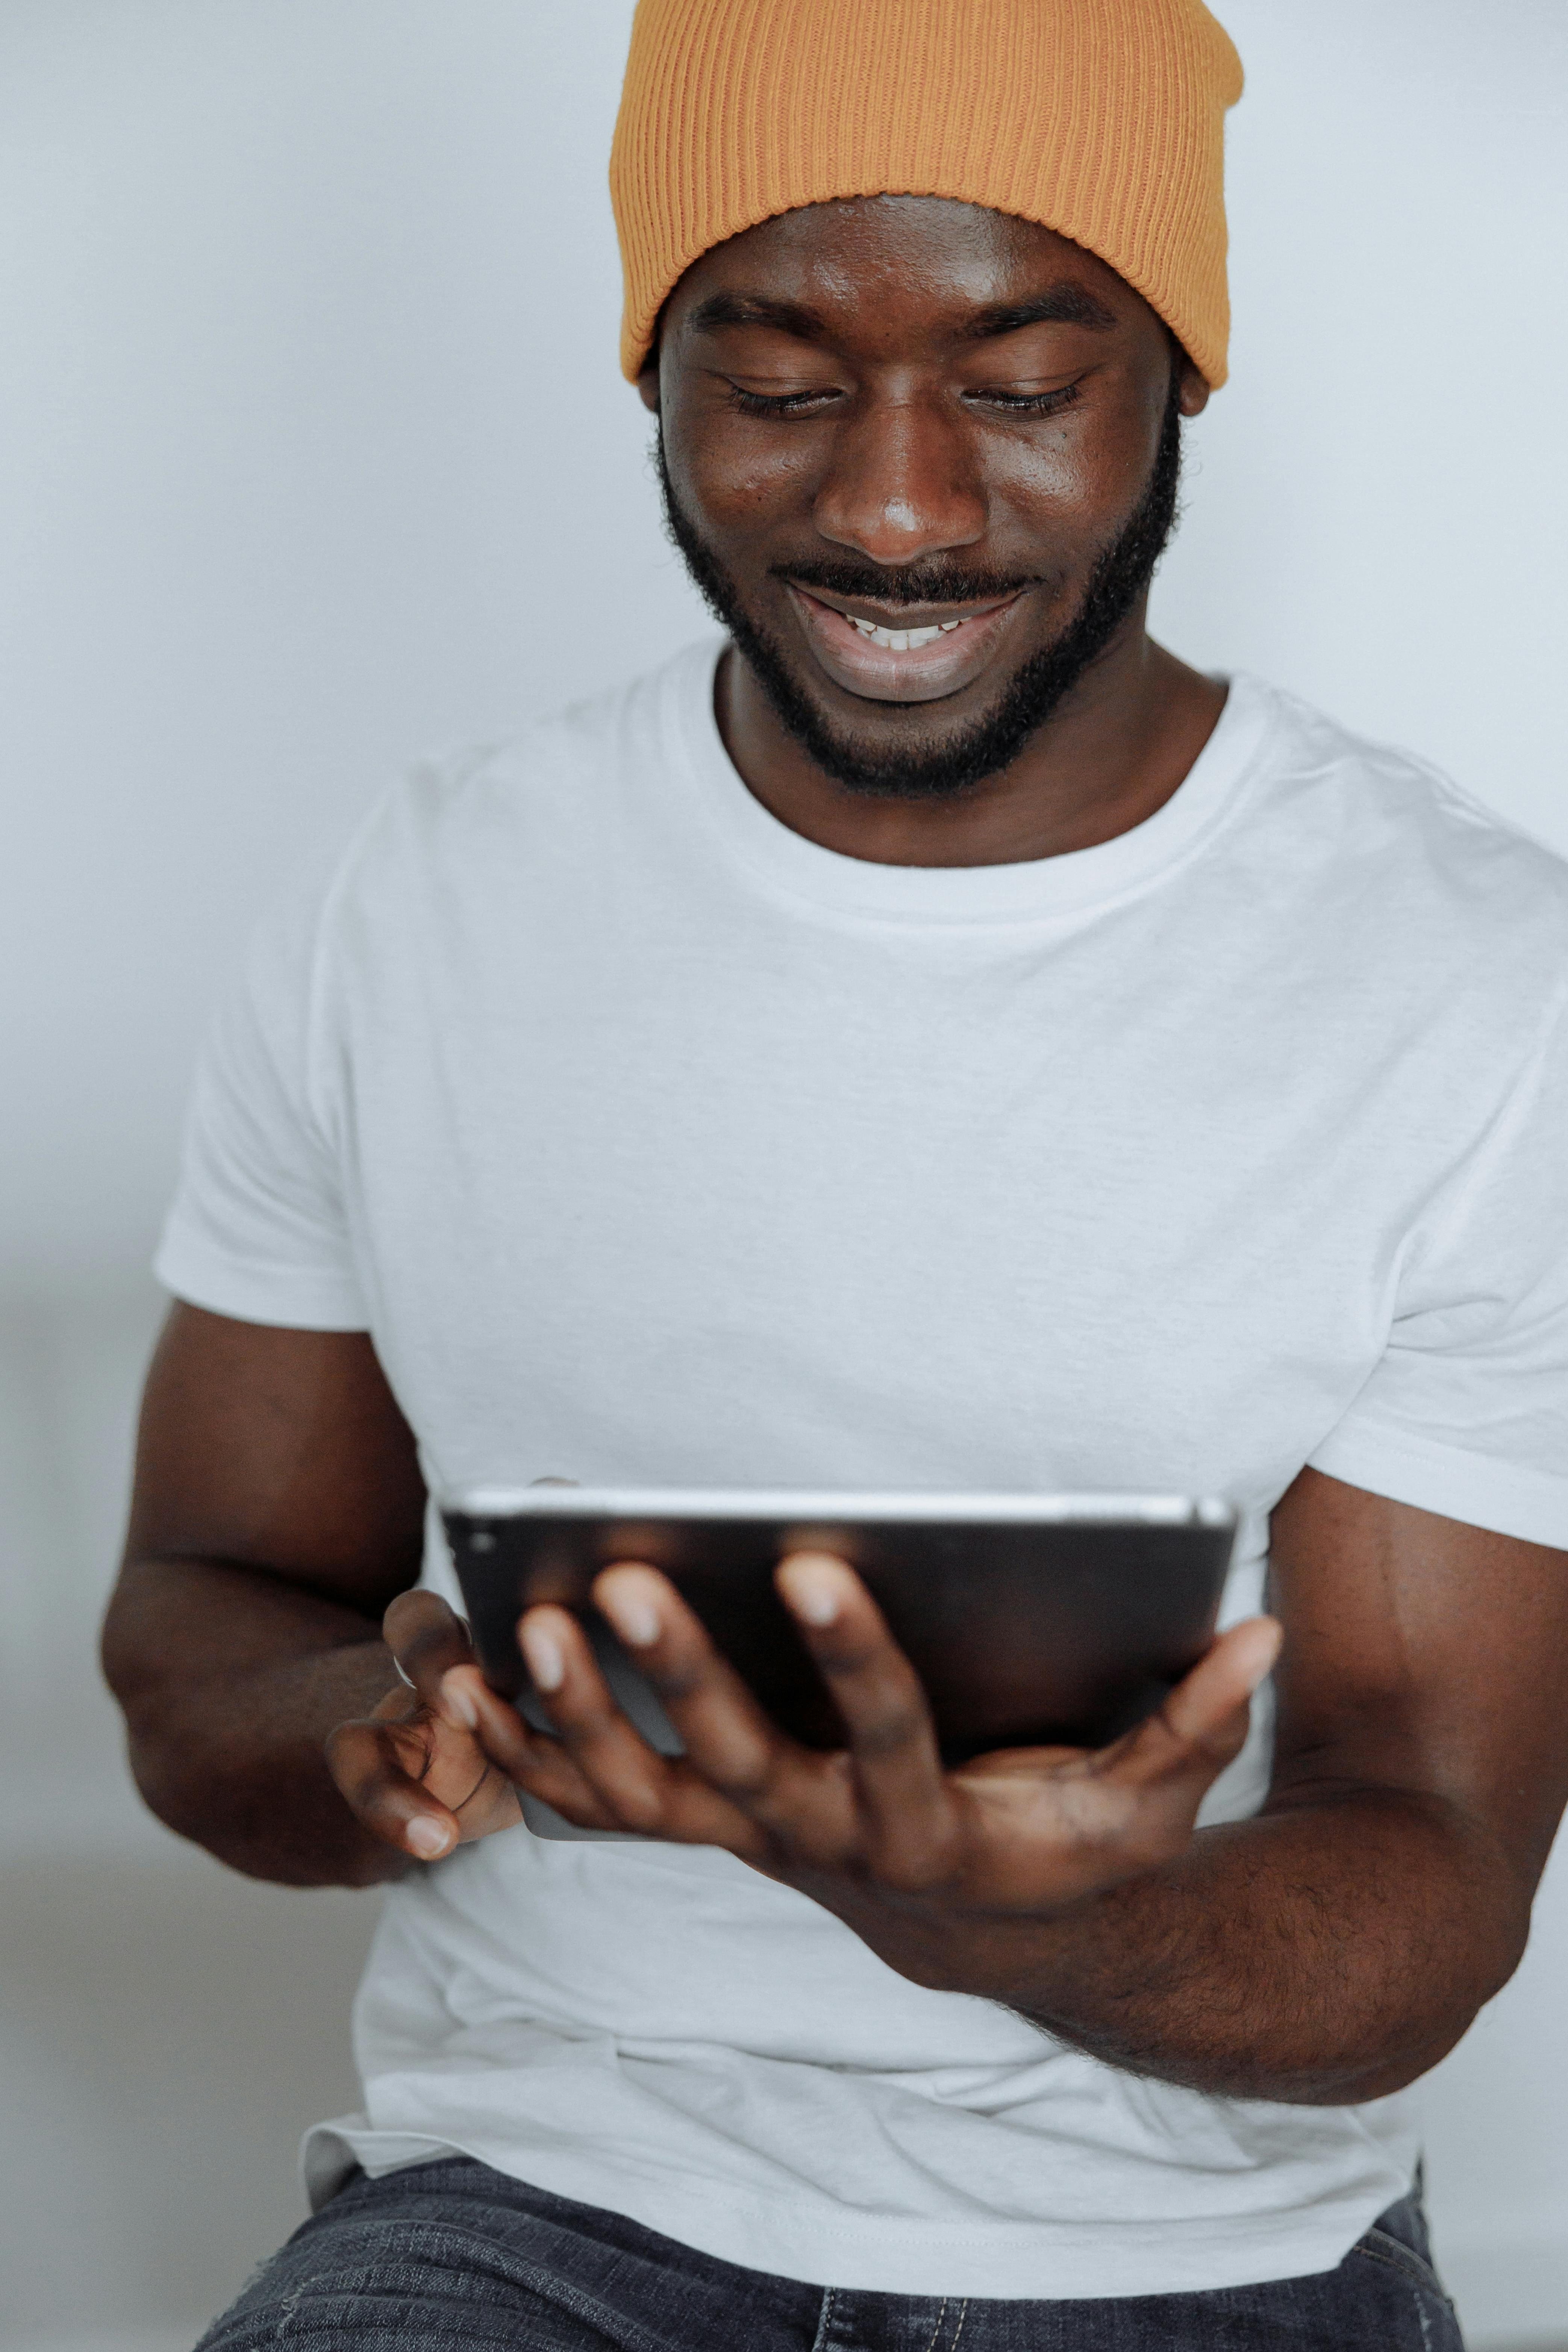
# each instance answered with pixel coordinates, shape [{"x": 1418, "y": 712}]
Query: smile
[
  {"x": 881, "y": 662},
  {"x": 901, "y": 641}
]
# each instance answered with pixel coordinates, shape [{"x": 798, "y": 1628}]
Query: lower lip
[{"x": 945, "y": 665}]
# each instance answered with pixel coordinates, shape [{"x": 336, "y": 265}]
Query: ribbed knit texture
[{"x": 1103, "y": 120}]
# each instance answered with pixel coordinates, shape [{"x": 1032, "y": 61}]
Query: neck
[{"x": 1113, "y": 753}]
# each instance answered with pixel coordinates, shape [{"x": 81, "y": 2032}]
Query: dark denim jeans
[{"x": 452, "y": 2257}]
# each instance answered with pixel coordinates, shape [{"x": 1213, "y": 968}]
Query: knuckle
[
  {"x": 850, "y": 1654},
  {"x": 505, "y": 1741},
  {"x": 641, "y": 1808},
  {"x": 546, "y": 1774},
  {"x": 409, "y": 1611},
  {"x": 584, "y": 1718},
  {"x": 756, "y": 1793},
  {"x": 422, "y": 1632},
  {"x": 896, "y": 1724},
  {"x": 747, "y": 1773},
  {"x": 677, "y": 1680}
]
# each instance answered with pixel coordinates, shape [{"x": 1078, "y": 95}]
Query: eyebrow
[
  {"x": 1064, "y": 305},
  {"x": 757, "y": 310}
]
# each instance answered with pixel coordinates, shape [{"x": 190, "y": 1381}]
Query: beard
[{"x": 937, "y": 764}]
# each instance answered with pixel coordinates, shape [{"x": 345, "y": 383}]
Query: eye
[
  {"x": 1026, "y": 404},
  {"x": 779, "y": 403}
]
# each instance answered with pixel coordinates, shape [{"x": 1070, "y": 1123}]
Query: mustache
[{"x": 915, "y": 583}]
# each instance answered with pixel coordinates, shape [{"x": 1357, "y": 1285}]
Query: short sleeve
[
  {"x": 1466, "y": 1411},
  {"x": 258, "y": 1228}
]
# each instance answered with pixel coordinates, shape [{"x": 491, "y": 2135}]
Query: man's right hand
[
  {"x": 415, "y": 1769},
  {"x": 438, "y": 1764},
  {"x": 279, "y": 1522},
  {"x": 275, "y": 1538}
]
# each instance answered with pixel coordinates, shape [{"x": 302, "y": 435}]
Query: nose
[{"x": 902, "y": 485}]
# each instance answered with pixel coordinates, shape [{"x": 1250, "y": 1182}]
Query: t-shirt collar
[{"x": 1034, "y": 889}]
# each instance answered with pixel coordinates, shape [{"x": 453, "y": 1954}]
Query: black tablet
[{"x": 1030, "y": 1619}]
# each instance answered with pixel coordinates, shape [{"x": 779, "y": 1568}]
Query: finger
[
  {"x": 722, "y": 1726},
  {"x": 375, "y": 1766},
  {"x": 511, "y": 1755},
  {"x": 641, "y": 1789},
  {"x": 729, "y": 1742},
  {"x": 1203, "y": 1723},
  {"x": 492, "y": 1752},
  {"x": 910, "y": 1824},
  {"x": 544, "y": 1770},
  {"x": 428, "y": 1641},
  {"x": 432, "y": 1647}
]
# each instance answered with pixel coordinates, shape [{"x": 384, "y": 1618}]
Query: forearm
[
  {"x": 1321, "y": 1955},
  {"x": 226, "y": 1734}
]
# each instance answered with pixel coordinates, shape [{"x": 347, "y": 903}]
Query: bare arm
[
  {"x": 279, "y": 1509},
  {"x": 1338, "y": 1945},
  {"x": 1330, "y": 1951}
]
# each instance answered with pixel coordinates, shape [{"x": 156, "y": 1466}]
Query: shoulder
[
  {"x": 1391, "y": 850},
  {"x": 490, "y": 833},
  {"x": 555, "y": 790}
]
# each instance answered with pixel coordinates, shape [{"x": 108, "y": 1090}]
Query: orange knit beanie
[{"x": 1103, "y": 120}]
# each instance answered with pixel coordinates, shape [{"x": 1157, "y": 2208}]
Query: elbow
[
  {"x": 1432, "y": 2022},
  {"x": 152, "y": 1751}
]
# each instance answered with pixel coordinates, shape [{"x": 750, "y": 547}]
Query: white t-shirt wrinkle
[{"x": 657, "y": 1144}]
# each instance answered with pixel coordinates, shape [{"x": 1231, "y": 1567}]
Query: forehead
[{"x": 927, "y": 258}]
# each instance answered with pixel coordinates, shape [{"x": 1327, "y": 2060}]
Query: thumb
[{"x": 1205, "y": 1718}]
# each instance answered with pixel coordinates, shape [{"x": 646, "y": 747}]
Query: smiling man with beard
[
  {"x": 930, "y": 1038},
  {"x": 933, "y": 600}
]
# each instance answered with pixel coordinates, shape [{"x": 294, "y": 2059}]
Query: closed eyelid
[{"x": 1022, "y": 396}]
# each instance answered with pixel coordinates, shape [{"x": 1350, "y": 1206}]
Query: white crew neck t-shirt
[{"x": 654, "y": 1144}]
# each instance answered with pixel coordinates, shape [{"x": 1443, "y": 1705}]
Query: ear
[
  {"x": 648, "y": 383},
  {"x": 1195, "y": 393}
]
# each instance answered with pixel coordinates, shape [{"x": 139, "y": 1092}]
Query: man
[{"x": 938, "y": 1040}]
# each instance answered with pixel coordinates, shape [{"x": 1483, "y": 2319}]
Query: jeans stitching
[
  {"x": 824, "y": 2320},
  {"x": 1397, "y": 2248},
  {"x": 936, "y": 2331},
  {"x": 962, "y": 2315},
  {"x": 1424, "y": 2281},
  {"x": 558, "y": 2292}
]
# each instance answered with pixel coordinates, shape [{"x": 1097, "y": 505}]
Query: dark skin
[
  {"x": 1332, "y": 1949},
  {"x": 912, "y": 434}
]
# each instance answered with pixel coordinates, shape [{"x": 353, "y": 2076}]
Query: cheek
[
  {"x": 1086, "y": 474},
  {"x": 731, "y": 479},
  {"x": 1050, "y": 484}
]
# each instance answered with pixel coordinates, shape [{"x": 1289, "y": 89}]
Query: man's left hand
[{"x": 1024, "y": 1831}]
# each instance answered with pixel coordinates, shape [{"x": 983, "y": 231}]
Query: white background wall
[{"x": 313, "y": 457}]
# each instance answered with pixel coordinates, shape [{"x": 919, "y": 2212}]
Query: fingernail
[
  {"x": 456, "y": 1704},
  {"x": 635, "y": 1621},
  {"x": 816, "y": 1589},
  {"x": 546, "y": 1663},
  {"x": 428, "y": 1838}
]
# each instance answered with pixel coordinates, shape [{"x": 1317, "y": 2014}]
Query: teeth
[{"x": 902, "y": 641}]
